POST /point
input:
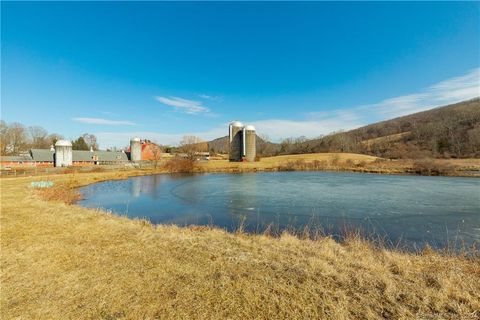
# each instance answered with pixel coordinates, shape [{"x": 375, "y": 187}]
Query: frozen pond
[{"x": 411, "y": 209}]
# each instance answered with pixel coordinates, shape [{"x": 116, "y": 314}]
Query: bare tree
[
  {"x": 191, "y": 146},
  {"x": 90, "y": 140},
  {"x": 474, "y": 139},
  {"x": 16, "y": 138},
  {"x": 156, "y": 153},
  {"x": 53, "y": 138},
  {"x": 38, "y": 137},
  {"x": 3, "y": 137}
]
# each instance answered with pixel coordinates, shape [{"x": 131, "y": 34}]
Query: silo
[
  {"x": 249, "y": 143},
  {"x": 235, "y": 136},
  {"x": 135, "y": 149},
  {"x": 63, "y": 153}
]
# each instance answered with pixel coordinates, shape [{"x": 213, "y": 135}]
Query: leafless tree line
[{"x": 15, "y": 138}]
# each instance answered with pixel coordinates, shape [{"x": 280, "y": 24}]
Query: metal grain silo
[
  {"x": 249, "y": 143},
  {"x": 135, "y": 149},
  {"x": 63, "y": 153},
  {"x": 235, "y": 137}
]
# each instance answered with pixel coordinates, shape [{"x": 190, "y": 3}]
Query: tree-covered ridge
[{"x": 444, "y": 132}]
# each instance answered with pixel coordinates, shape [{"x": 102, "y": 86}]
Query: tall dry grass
[
  {"x": 62, "y": 193},
  {"x": 60, "y": 261}
]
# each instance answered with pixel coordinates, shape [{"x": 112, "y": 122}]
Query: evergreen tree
[{"x": 80, "y": 144}]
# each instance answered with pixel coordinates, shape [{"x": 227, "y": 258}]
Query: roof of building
[
  {"x": 47, "y": 155},
  {"x": 236, "y": 124},
  {"x": 63, "y": 143},
  {"x": 80, "y": 155},
  {"x": 42, "y": 154},
  {"x": 16, "y": 158}
]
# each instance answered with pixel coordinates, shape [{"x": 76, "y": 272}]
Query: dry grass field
[
  {"x": 314, "y": 161},
  {"x": 62, "y": 261},
  {"x": 348, "y": 162},
  {"x": 272, "y": 163}
]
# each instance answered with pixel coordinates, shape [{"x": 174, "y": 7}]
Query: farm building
[
  {"x": 17, "y": 161},
  {"x": 62, "y": 155},
  {"x": 46, "y": 158}
]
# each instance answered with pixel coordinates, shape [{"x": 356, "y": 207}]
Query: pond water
[{"x": 409, "y": 211}]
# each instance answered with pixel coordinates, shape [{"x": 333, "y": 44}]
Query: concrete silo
[
  {"x": 249, "y": 143},
  {"x": 235, "y": 137},
  {"x": 63, "y": 153},
  {"x": 135, "y": 149}
]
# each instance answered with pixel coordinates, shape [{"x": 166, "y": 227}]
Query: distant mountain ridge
[{"x": 442, "y": 132}]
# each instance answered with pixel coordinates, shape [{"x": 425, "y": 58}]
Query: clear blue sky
[{"x": 161, "y": 70}]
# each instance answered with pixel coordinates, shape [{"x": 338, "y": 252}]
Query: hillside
[{"x": 451, "y": 131}]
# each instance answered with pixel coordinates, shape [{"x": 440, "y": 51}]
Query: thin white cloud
[
  {"x": 277, "y": 129},
  {"x": 443, "y": 93},
  {"x": 183, "y": 105},
  {"x": 104, "y": 121},
  {"x": 209, "y": 97}
]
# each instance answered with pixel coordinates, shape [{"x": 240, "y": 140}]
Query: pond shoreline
[{"x": 222, "y": 201}]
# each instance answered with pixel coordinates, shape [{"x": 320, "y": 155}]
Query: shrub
[
  {"x": 290, "y": 166},
  {"x": 180, "y": 165},
  {"x": 335, "y": 159},
  {"x": 60, "y": 193},
  {"x": 429, "y": 167},
  {"x": 361, "y": 164}
]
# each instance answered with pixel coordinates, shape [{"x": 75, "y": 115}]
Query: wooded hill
[{"x": 443, "y": 132}]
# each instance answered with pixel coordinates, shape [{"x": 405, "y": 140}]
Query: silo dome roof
[
  {"x": 63, "y": 143},
  {"x": 250, "y": 128},
  {"x": 135, "y": 139},
  {"x": 236, "y": 124}
]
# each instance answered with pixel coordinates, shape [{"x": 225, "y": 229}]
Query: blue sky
[{"x": 162, "y": 70}]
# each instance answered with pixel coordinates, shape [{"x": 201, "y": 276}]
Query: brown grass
[
  {"x": 64, "y": 192},
  {"x": 312, "y": 161},
  {"x": 348, "y": 162},
  {"x": 66, "y": 262},
  {"x": 179, "y": 165},
  {"x": 431, "y": 168},
  {"x": 385, "y": 139}
]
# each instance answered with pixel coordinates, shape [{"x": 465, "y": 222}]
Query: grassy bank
[
  {"x": 350, "y": 162},
  {"x": 60, "y": 261}
]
